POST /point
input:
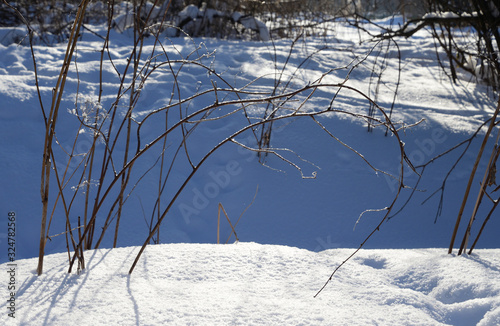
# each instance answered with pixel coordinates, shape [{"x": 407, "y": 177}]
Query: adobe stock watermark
[
  {"x": 201, "y": 197},
  {"x": 11, "y": 265},
  {"x": 220, "y": 179},
  {"x": 424, "y": 151},
  {"x": 325, "y": 244}
]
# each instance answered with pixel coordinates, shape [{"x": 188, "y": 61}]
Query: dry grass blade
[
  {"x": 228, "y": 220},
  {"x": 488, "y": 174},
  {"x": 241, "y": 215},
  {"x": 472, "y": 175}
]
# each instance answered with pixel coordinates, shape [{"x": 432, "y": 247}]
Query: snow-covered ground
[
  {"x": 272, "y": 282},
  {"x": 254, "y": 284}
]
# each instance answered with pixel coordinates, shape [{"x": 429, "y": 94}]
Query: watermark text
[{"x": 11, "y": 265}]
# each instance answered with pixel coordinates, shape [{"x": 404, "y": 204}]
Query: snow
[
  {"x": 448, "y": 15},
  {"x": 254, "y": 284},
  {"x": 445, "y": 14},
  {"x": 294, "y": 233}
]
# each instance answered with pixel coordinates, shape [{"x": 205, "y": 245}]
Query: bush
[{"x": 95, "y": 184}]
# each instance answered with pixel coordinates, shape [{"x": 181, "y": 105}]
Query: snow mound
[{"x": 253, "y": 284}]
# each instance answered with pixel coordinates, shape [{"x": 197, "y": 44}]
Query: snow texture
[{"x": 253, "y": 284}]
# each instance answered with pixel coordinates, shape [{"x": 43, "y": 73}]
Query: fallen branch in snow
[{"x": 411, "y": 27}]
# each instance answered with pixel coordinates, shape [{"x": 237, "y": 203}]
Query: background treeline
[{"x": 38, "y": 12}]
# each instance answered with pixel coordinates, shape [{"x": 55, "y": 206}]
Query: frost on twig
[{"x": 275, "y": 151}]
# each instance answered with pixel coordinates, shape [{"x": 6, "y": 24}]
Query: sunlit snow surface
[
  {"x": 189, "y": 283},
  {"x": 253, "y": 284}
]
